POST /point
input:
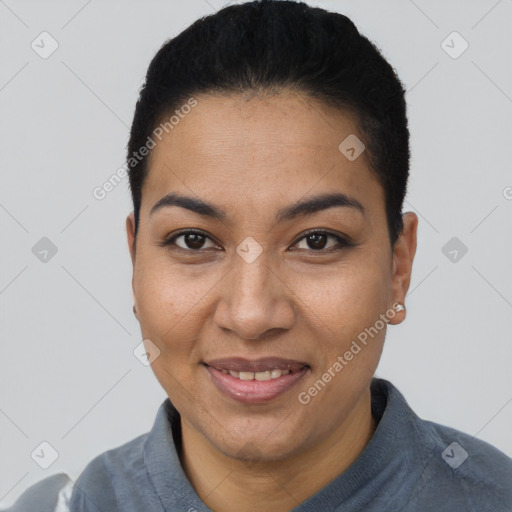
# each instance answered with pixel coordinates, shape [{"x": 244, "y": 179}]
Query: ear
[
  {"x": 130, "y": 232},
  {"x": 403, "y": 256}
]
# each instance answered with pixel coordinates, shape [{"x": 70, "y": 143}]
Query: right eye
[{"x": 191, "y": 240}]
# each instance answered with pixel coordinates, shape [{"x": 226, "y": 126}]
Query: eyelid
[{"x": 342, "y": 240}]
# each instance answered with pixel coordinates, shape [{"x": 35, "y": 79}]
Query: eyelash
[{"x": 341, "y": 241}]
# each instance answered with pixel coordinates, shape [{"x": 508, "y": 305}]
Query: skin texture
[{"x": 251, "y": 157}]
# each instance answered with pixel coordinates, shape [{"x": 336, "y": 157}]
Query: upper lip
[{"x": 239, "y": 364}]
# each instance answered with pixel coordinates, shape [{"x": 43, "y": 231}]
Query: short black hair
[{"x": 273, "y": 45}]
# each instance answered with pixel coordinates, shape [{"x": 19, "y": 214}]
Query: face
[{"x": 270, "y": 258}]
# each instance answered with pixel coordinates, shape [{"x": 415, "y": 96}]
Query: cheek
[
  {"x": 169, "y": 305},
  {"x": 347, "y": 298},
  {"x": 170, "y": 295}
]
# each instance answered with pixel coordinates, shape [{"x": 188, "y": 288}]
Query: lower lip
[{"x": 254, "y": 391}]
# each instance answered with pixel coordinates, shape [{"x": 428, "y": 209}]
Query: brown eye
[
  {"x": 316, "y": 241},
  {"x": 190, "y": 240},
  {"x": 320, "y": 240}
]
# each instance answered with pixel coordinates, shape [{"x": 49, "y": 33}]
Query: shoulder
[
  {"x": 58, "y": 493},
  {"x": 443, "y": 469},
  {"x": 48, "y": 495},
  {"x": 463, "y": 473},
  {"x": 128, "y": 456},
  {"x": 113, "y": 469}
]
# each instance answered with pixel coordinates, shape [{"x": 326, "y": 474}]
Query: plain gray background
[{"x": 68, "y": 375}]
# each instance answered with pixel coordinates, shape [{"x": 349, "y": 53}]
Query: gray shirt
[{"x": 409, "y": 465}]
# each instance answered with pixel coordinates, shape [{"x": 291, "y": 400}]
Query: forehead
[
  {"x": 261, "y": 148},
  {"x": 257, "y": 124}
]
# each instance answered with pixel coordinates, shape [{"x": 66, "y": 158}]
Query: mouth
[{"x": 257, "y": 381}]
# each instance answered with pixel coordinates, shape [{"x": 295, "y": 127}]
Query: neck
[{"x": 225, "y": 484}]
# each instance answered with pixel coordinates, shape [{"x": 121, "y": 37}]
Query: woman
[{"x": 268, "y": 160}]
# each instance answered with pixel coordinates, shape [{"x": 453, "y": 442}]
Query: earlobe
[{"x": 396, "y": 314}]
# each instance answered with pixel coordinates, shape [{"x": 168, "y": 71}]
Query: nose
[{"x": 255, "y": 301}]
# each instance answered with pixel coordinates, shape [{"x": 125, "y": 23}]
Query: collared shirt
[{"x": 409, "y": 465}]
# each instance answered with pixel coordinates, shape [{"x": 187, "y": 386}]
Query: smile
[
  {"x": 255, "y": 387},
  {"x": 265, "y": 375}
]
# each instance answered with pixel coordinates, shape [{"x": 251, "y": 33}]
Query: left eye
[{"x": 319, "y": 240}]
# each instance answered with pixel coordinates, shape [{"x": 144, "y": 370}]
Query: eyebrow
[{"x": 306, "y": 206}]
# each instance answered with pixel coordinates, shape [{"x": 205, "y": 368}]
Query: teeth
[{"x": 266, "y": 375}]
